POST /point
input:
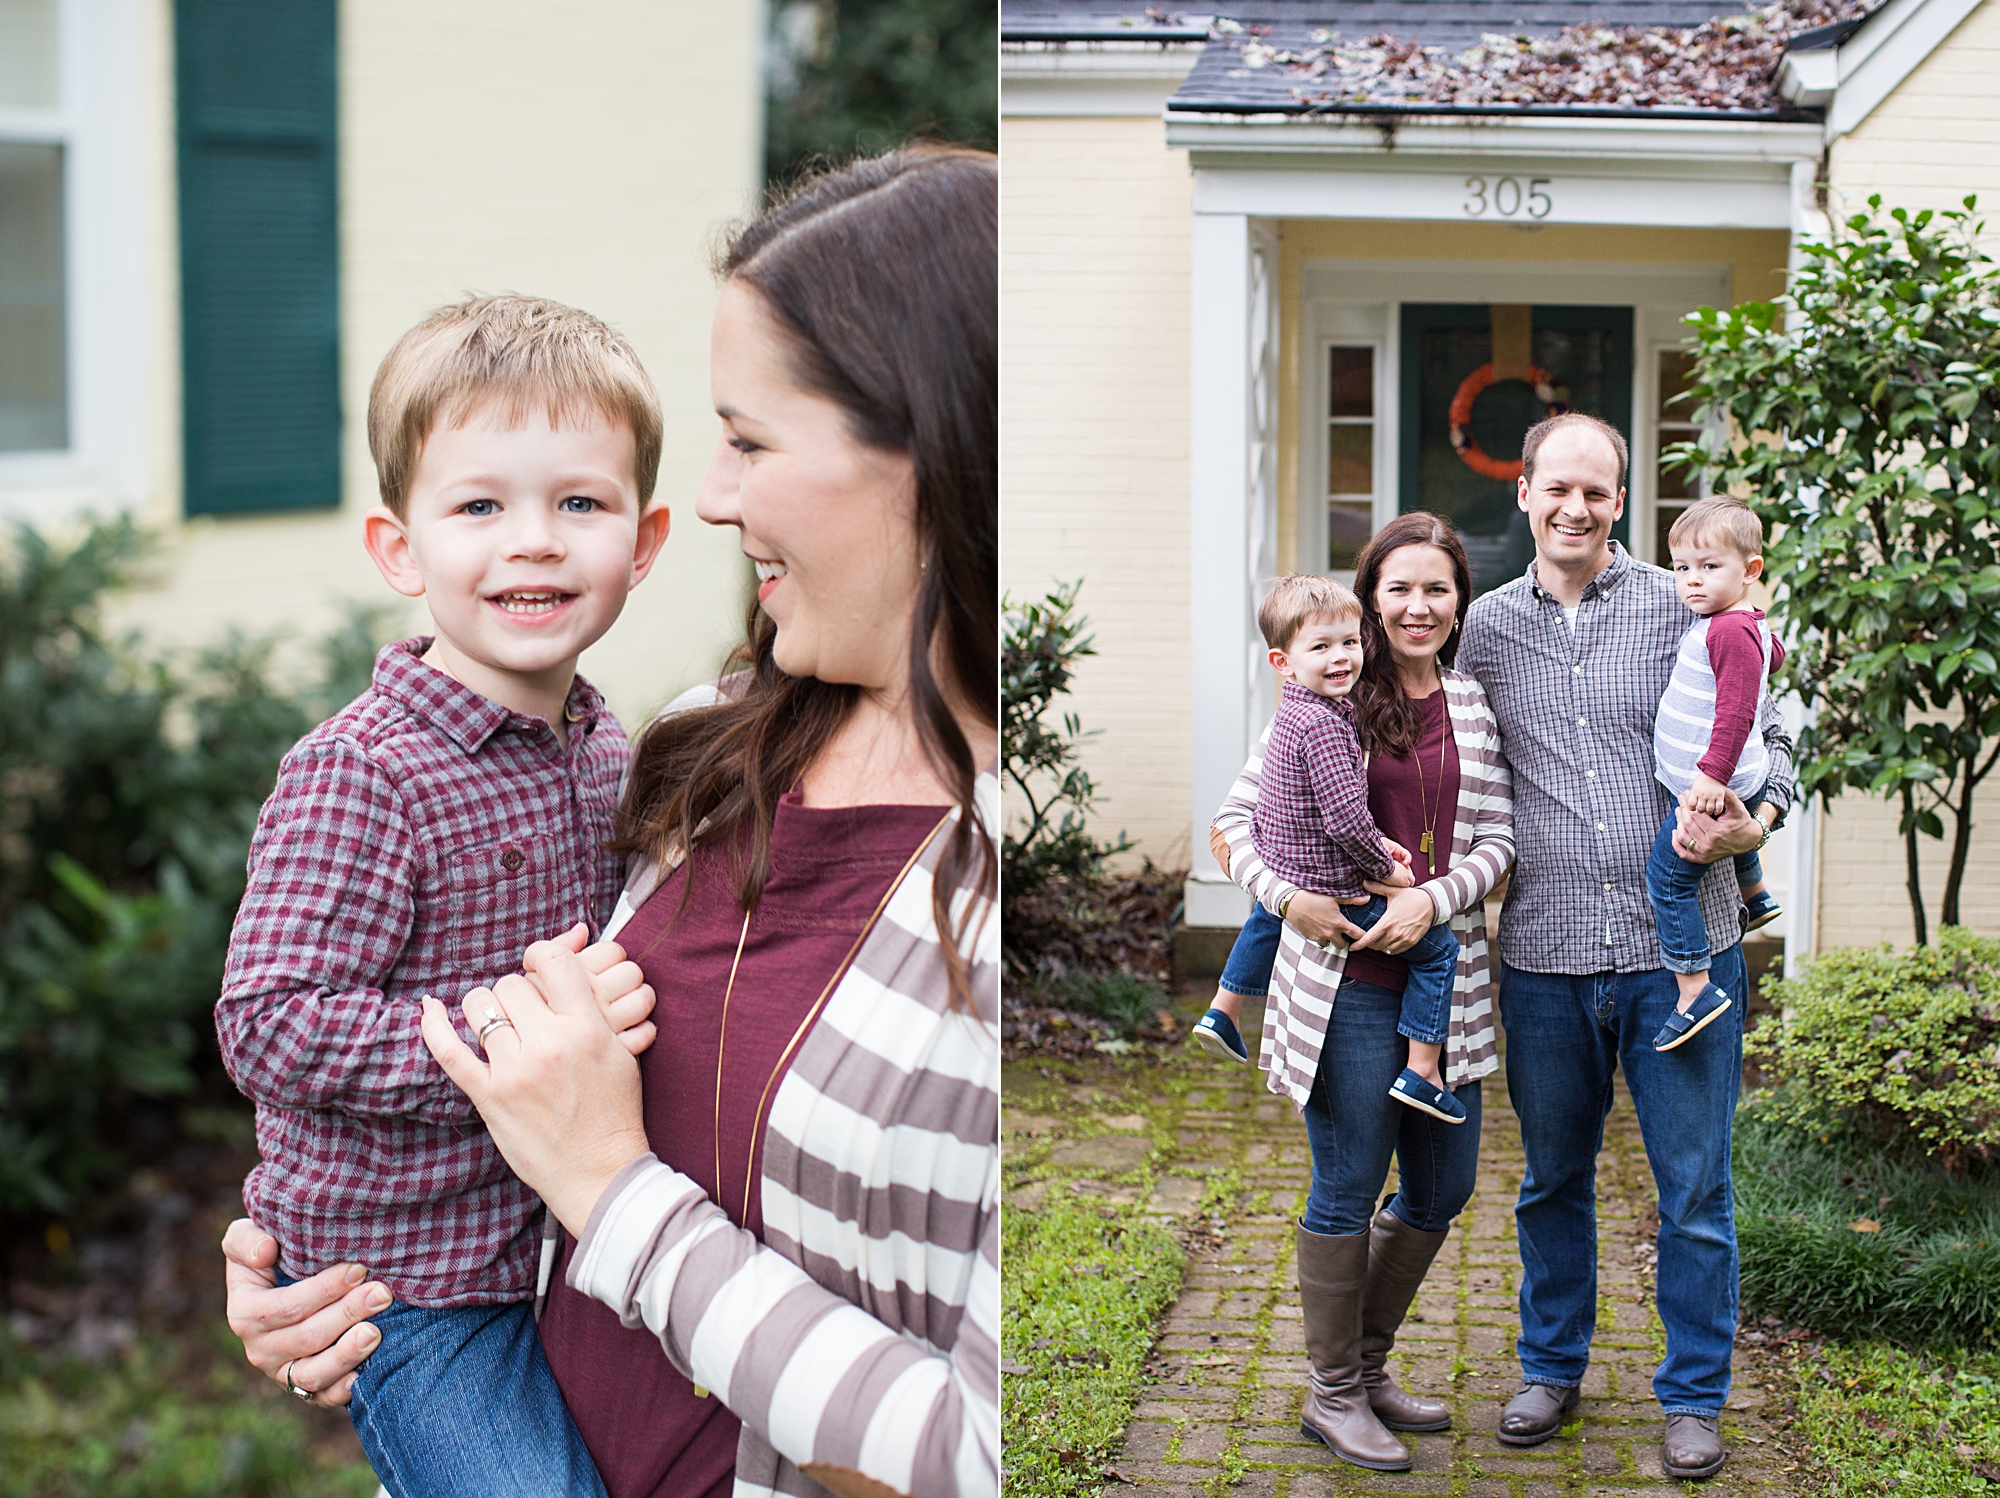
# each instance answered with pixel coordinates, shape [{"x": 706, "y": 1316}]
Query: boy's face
[
  {"x": 524, "y": 540},
  {"x": 1324, "y": 656},
  {"x": 1712, "y": 575}
]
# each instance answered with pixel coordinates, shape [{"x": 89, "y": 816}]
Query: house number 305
[{"x": 1507, "y": 197}]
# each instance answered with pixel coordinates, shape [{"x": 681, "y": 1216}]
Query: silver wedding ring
[
  {"x": 493, "y": 1024},
  {"x": 293, "y": 1389}
]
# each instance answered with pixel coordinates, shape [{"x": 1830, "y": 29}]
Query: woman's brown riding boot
[
  {"x": 1398, "y": 1256},
  {"x": 1332, "y": 1272}
]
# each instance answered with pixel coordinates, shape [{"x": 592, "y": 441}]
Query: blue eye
[
  {"x": 482, "y": 507},
  {"x": 579, "y": 504}
]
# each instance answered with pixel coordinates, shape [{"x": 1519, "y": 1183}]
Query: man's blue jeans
[
  {"x": 462, "y": 1401},
  {"x": 1354, "y": 1126},
  {"x": 1566, "y": 1037}
]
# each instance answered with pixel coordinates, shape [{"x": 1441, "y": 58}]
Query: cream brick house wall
[
  {"x": 1094, "y": 437},
  {"x": 1931, "y": 142},
  {"x": 584, "y": 151}
]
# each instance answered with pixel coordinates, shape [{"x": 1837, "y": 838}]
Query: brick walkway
[{"x": 1229, "y": 1373}]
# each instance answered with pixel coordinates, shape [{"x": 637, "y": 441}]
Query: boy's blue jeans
[
  {"x": 461, "y": 1401},
  {"x": 1251, "y": 959},
  {"x": 1566, "y": 1037},
  {"x": 1426, "y": 1010}
]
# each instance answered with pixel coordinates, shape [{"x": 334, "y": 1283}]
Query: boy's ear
[
  {"x": 1754, "y": 569},
  {"x": 388, "y": 543},
  {"x": 654, "y": 522},
  {"x": 1279, "y": 660}
]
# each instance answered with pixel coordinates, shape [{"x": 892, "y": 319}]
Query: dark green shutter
[{"x": 260, "y": 267}]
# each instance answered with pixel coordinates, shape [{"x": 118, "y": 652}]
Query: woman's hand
[
  {"x": 1318, "y": 919},
  {"x": 558, "y": 1091},
  {"x": 317, "y": 1326},
  {"x": 1219, "y": 846},
  {"x": 1403, "y": 924}
]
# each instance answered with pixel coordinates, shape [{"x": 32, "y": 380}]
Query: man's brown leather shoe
[
  {"x": 1536, "y": 1413},
  {"x": 1692, "y": 1447}
]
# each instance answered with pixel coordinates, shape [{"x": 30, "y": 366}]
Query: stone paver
[{"x": 1229, "y": 1371}]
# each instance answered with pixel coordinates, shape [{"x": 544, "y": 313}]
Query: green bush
[
  {"x": 129, "y": 788},
  {"x": 1898, "y": 1049},
  {"x": 1126, "y": 999},
  {"x": 1856, "y": 1241}
]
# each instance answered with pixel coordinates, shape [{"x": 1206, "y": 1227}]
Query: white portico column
[{"x": 1234, "y": 534}]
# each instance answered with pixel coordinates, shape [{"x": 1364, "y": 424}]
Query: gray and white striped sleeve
[{"x": 1233, "y": 820}]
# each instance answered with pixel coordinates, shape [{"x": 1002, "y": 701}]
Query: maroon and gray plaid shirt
[
  {"x": 415, "y": 843},
  {"x": 1312, "y": 826}
]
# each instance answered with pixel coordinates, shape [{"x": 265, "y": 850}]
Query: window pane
[
  {"x": 1676, "y": 374},
  {"x": 1350, "y": 382},
  {"x": 28, "y": 53},
  {"x": 1350, "y": 465},
  {"x": 33, "y": 410},
  {"x": 1348, "y": 527},
  {"x": 1676, "y": 480}
]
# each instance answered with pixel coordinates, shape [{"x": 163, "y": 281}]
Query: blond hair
[
  {"x": 525, "y": 351},
  {"x": 1297, "y": 600},
  {"x": 1720, "y": 518}
]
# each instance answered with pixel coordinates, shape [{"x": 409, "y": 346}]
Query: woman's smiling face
[
  {"x": 1416, "y": 598},
  {"x": 829, "y": 522}
]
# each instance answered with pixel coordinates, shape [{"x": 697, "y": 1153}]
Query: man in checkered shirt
[
  {"x": 417, "y": 842},
  {"x": 1574, "y": 657}
]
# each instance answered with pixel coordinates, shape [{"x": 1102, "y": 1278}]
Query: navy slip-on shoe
[
  {"x": 1683, "y": 1025},
  {"x": 1415, "y": 1092},
  {"x": 1760, "y": 911},
  {"x": 1217, "y": 1034}
]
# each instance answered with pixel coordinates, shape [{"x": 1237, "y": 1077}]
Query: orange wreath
[{"x": 1462, "y": 440}]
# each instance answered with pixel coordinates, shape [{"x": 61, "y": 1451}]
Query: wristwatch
[
  {"x": 1286, "y": 903},
  {"x": 1769, "y": 828}
]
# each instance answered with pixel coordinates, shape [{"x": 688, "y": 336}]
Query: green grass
[
  {"x": 146, "y": 1426},
  {"x": 1084, "y": 1285},
  {"x": 1862, "y": 1244},
  {"x": 1883, "y": 1420}
]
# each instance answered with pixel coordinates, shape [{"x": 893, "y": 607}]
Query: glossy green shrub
[{"x": 1895, "y": 1049}]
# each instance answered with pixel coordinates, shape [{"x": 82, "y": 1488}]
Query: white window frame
[{"x": 109, "y": 73}]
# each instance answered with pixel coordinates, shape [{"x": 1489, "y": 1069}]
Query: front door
[{"x": 1474, "y": 379}]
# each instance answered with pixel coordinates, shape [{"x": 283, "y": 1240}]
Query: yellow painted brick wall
[
  {"x": 1094, "y": 437},
  {"x": 1862, "y": 895},
  {"x": 584, "y": 151},
  {"x": 1937, "y": 137},
  {"x": 1928, "y": 145}
]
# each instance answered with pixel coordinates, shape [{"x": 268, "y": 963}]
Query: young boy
[
  {"x": 1312, "y": 825},
  {"x": 417, "y": 841},
  {"x": 1704, "y": 740}
]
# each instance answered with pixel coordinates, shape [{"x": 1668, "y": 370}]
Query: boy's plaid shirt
[
  {"x": 416, "y": 842},
  {"x": 1312, "y": 825}
]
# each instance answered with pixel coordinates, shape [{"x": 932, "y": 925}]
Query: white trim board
[
  {"x": 1092, "y": 79},
  {"x": 1850, "y": 80}
]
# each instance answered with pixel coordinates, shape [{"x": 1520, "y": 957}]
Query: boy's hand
[
  {"x": 1706, "y": 796},
  {"x": 1400, "y": 877},
  {"x": 620, "y": 989},
  {"x": 1396, "y": 851}
]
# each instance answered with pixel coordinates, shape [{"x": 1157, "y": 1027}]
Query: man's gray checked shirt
[{"x": 1576, "y": 722}]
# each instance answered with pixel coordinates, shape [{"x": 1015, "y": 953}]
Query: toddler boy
[
  {"x": 417, "y": 841},
  {"x": 1312, "y": 826},
  {"x": 1703, "y": 743}
]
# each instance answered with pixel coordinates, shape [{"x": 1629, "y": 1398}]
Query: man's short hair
[
  {"x": 1720, "y": 518},
  {"x": 1297, "y": 600},
  {"x": 525, "y": 351},
  {"x": 1541, "y": 431}
]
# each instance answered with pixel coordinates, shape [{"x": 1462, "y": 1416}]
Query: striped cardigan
[
  {"x": 1307, "y": 977},
  {"x": 863, "y": 1332}
]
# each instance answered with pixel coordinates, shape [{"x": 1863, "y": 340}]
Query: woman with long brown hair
[
  {"x": 1438, "y": 785},
  {"x": 783, "y": 1266}
]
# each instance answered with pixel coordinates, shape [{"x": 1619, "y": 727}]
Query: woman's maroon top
[
  {"x": 1397, "y": 798},
  {"x": 643, "y": 1424}
]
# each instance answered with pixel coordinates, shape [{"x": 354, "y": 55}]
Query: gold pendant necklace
[
  {"x": 1424, "y": 804},
  {"x": 785, "y": 1056}
]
